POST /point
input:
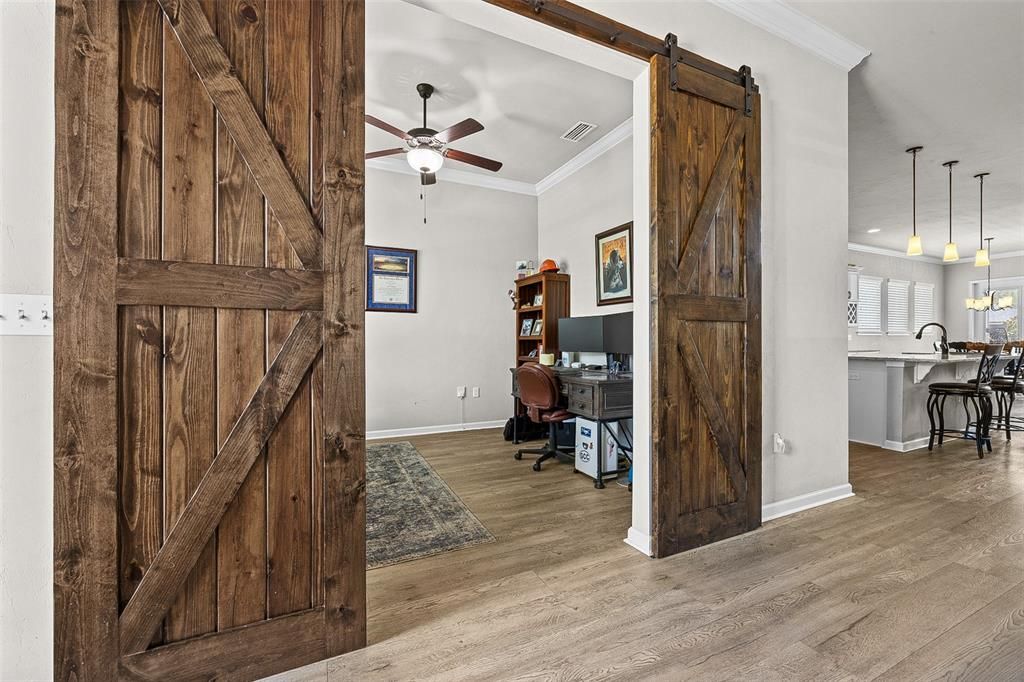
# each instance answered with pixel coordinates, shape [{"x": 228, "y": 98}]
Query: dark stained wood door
[
  {"x": 209, "y": 431},
  {"x": 706, "y": 305}
]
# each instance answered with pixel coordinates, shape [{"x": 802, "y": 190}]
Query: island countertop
[{"x": 930, "y": 358}]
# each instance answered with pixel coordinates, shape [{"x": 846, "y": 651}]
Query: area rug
[{"x": 410, "y": 512}]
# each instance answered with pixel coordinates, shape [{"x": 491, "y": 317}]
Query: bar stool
[
  {"x": 977, "y": 393},
  {"x": 1006, "y": 388}
]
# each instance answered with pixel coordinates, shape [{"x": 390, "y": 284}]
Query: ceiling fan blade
[
  {"x": 386, "y": 127},
  {"x": 385, "y": 152},
  {"x": 473, "y": 160},
  {"x": 428, "y": 179},
  {"x": 459, "y": 131}
]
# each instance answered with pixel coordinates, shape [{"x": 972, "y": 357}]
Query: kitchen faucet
[{"x": 943, "y": 344}]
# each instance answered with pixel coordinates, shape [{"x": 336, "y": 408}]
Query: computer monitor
[{"x": 596, "y": 334}]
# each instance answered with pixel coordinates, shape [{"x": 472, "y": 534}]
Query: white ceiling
[
  {"x": 948, "y": 76},
  {"x": 525, "y": 97}
]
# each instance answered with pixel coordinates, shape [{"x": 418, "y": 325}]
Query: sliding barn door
[
  {"x": 209, "y": 423},
  {"x": 706, "y": 305}
]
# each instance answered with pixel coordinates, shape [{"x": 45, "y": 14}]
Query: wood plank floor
[{"x": 920, "y": 576}]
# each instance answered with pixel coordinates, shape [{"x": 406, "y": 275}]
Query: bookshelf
[{"x": 553, "y": 288}]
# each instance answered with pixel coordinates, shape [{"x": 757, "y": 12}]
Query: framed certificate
[{"x": 390, "y": 279}]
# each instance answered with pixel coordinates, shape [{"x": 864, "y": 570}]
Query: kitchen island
[{"x": 889, "y": 393}]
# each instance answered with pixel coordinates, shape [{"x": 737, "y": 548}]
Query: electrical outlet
[
  {"x": 778, "y": 444},
  {"x": 460, "y": 391},
  {"x": 476, "y": 391}
]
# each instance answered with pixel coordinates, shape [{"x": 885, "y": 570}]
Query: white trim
[
  {"x": 426, "y": 430},
  {"x": 780, "y": 19},
  {"x": 880, "y": 251},
  {"x": 792, "y": 505},
  {"x": 638, "y": 541},
  {"x": 1008, "y": 254},
  {"x": 901, "y": 446},
  {"x": 398, "y": 165},
  {"x": 621, "y": 132}
]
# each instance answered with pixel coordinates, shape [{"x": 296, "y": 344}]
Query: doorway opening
[{"x": 545, "y": 164}]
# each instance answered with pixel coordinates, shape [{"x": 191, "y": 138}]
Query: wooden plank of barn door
[
  {"x": 344, "y": 407},
  {"x": 241, "y": 357},
  {"x": 190, "y": 413},
  {"x": 85, "y": 342},
  {"x": 751, "y": 243},
  {"x": 140, "y": 327},
  {"x": 289, "y": 455}
]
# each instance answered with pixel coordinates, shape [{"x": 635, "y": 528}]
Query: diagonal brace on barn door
[
  {"x": 247, "y": 129},
  {"x": 728, "y": 443},
  {"x": 193, "y": 529},
  {"x": 719, "y": 183}
]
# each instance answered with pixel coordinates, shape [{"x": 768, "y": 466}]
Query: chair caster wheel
[
  {"x": 518, "y": 455},
  {"x": 536, "y": 466}
]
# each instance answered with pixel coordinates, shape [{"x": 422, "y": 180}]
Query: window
[
  {"x": 1008, "y": 317},
  {"x": 924, "y": 306},
  {"x": 897, "y": 307},
  {"x": 869, "y": 305}
]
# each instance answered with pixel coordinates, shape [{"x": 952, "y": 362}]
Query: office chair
[{"x": 538, "y": 391}]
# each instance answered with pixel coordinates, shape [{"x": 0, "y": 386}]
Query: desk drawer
[
  {"x": 581, "y": 406},
  {"x": 581, "y": 392}
]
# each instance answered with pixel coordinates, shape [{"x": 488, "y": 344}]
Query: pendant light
[
  {"x": 989, "y": 300},
  {"x": 950, "y": 255},
  {"x": 981, "y": 258},
  {"x": 914, "y": 243}
]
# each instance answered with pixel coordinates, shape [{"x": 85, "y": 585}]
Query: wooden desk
[{"x": 595, "y": 395}]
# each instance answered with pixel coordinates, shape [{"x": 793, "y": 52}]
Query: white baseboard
[
  {"x": 638, "y": 541},
  {"x": 426, "y": 430},
  {"x": 906, "y": 446},
  {"x": 774, "y": 510}
]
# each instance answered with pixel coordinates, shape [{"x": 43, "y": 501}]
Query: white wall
[
  {"x": 913, "y": 270},
  {"x": 463, "y": 332},
  {"x": 597, "y": 197},
  {"x": 26, "y": 364},
  {"x": 958, "y": 278}
]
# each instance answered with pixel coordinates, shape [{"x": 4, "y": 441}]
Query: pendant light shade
[
  {"x": 981, "y": 257},
  {"x": 914, "y": 243},
  {"x": 951, "y": 254},
  {"x": 989, "y": 300}
]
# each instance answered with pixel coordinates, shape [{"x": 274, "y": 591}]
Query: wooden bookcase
[{"x": 554, "y": 291}]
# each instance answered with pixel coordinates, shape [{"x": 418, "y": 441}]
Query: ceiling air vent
[{"x": 578, "y": 131}]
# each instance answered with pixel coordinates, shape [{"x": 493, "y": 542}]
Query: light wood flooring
[{"x": 920, "y": 576}]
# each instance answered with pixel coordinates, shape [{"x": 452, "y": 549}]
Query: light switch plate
[{"x": 26, "y": 315}]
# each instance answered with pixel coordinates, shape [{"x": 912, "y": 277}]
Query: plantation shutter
[
  {"x": 924, "y": 304},
  {"x": 897, "y": 308},
  {"x": 869, "y": 305}
]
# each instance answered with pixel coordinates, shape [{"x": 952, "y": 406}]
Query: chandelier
[{"x": 989, "y": 300}]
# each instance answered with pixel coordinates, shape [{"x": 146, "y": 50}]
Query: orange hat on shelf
[{"x": 549, "y": 266}]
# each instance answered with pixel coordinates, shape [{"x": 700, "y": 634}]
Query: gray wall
[
  {"x": 898, "y": 268},
  {"x": 958, "y": 279},
  {"x": 26, "y": 362},
  {"x": 463, "y": 332},
  {"x": 597, "y": 197}
]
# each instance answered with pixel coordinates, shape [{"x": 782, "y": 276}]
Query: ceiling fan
[{"x": 426, "y": 149}]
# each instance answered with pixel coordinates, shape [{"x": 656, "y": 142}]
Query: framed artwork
[
  {"x": 527, "y": 327},
  {"x": 614, "y": 250},
  {"x": 538, "y": 327},
  {"x": 390, "y": 279}
]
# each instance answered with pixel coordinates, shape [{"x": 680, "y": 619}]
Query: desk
[{"x": 595, "y": 395}]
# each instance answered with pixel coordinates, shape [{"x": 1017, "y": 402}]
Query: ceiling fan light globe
[{"x": 424, "y": 159}]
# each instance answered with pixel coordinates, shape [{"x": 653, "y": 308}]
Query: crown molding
[
  {"x": 780, "y": 19},
  {"x": 621, "y": 132},
  {"x": 880, "y": 251},
  {"x": 398, "y": 165},
  {"x": 1008, "y": 254}
]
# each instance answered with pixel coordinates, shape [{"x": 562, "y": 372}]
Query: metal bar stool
[
  {"x": 976, "y": 393},
  {"x": 1006, "y": 387}
]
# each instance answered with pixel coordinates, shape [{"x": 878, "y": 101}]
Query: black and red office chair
[{"x": 538, "y": 391}]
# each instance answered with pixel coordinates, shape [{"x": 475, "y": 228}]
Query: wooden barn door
[
  {"x": 706, "y": 305},
  {"x": 209, "y": 417}
]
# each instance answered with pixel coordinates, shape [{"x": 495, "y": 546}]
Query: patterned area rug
[{"x": 410, "y": 512}]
